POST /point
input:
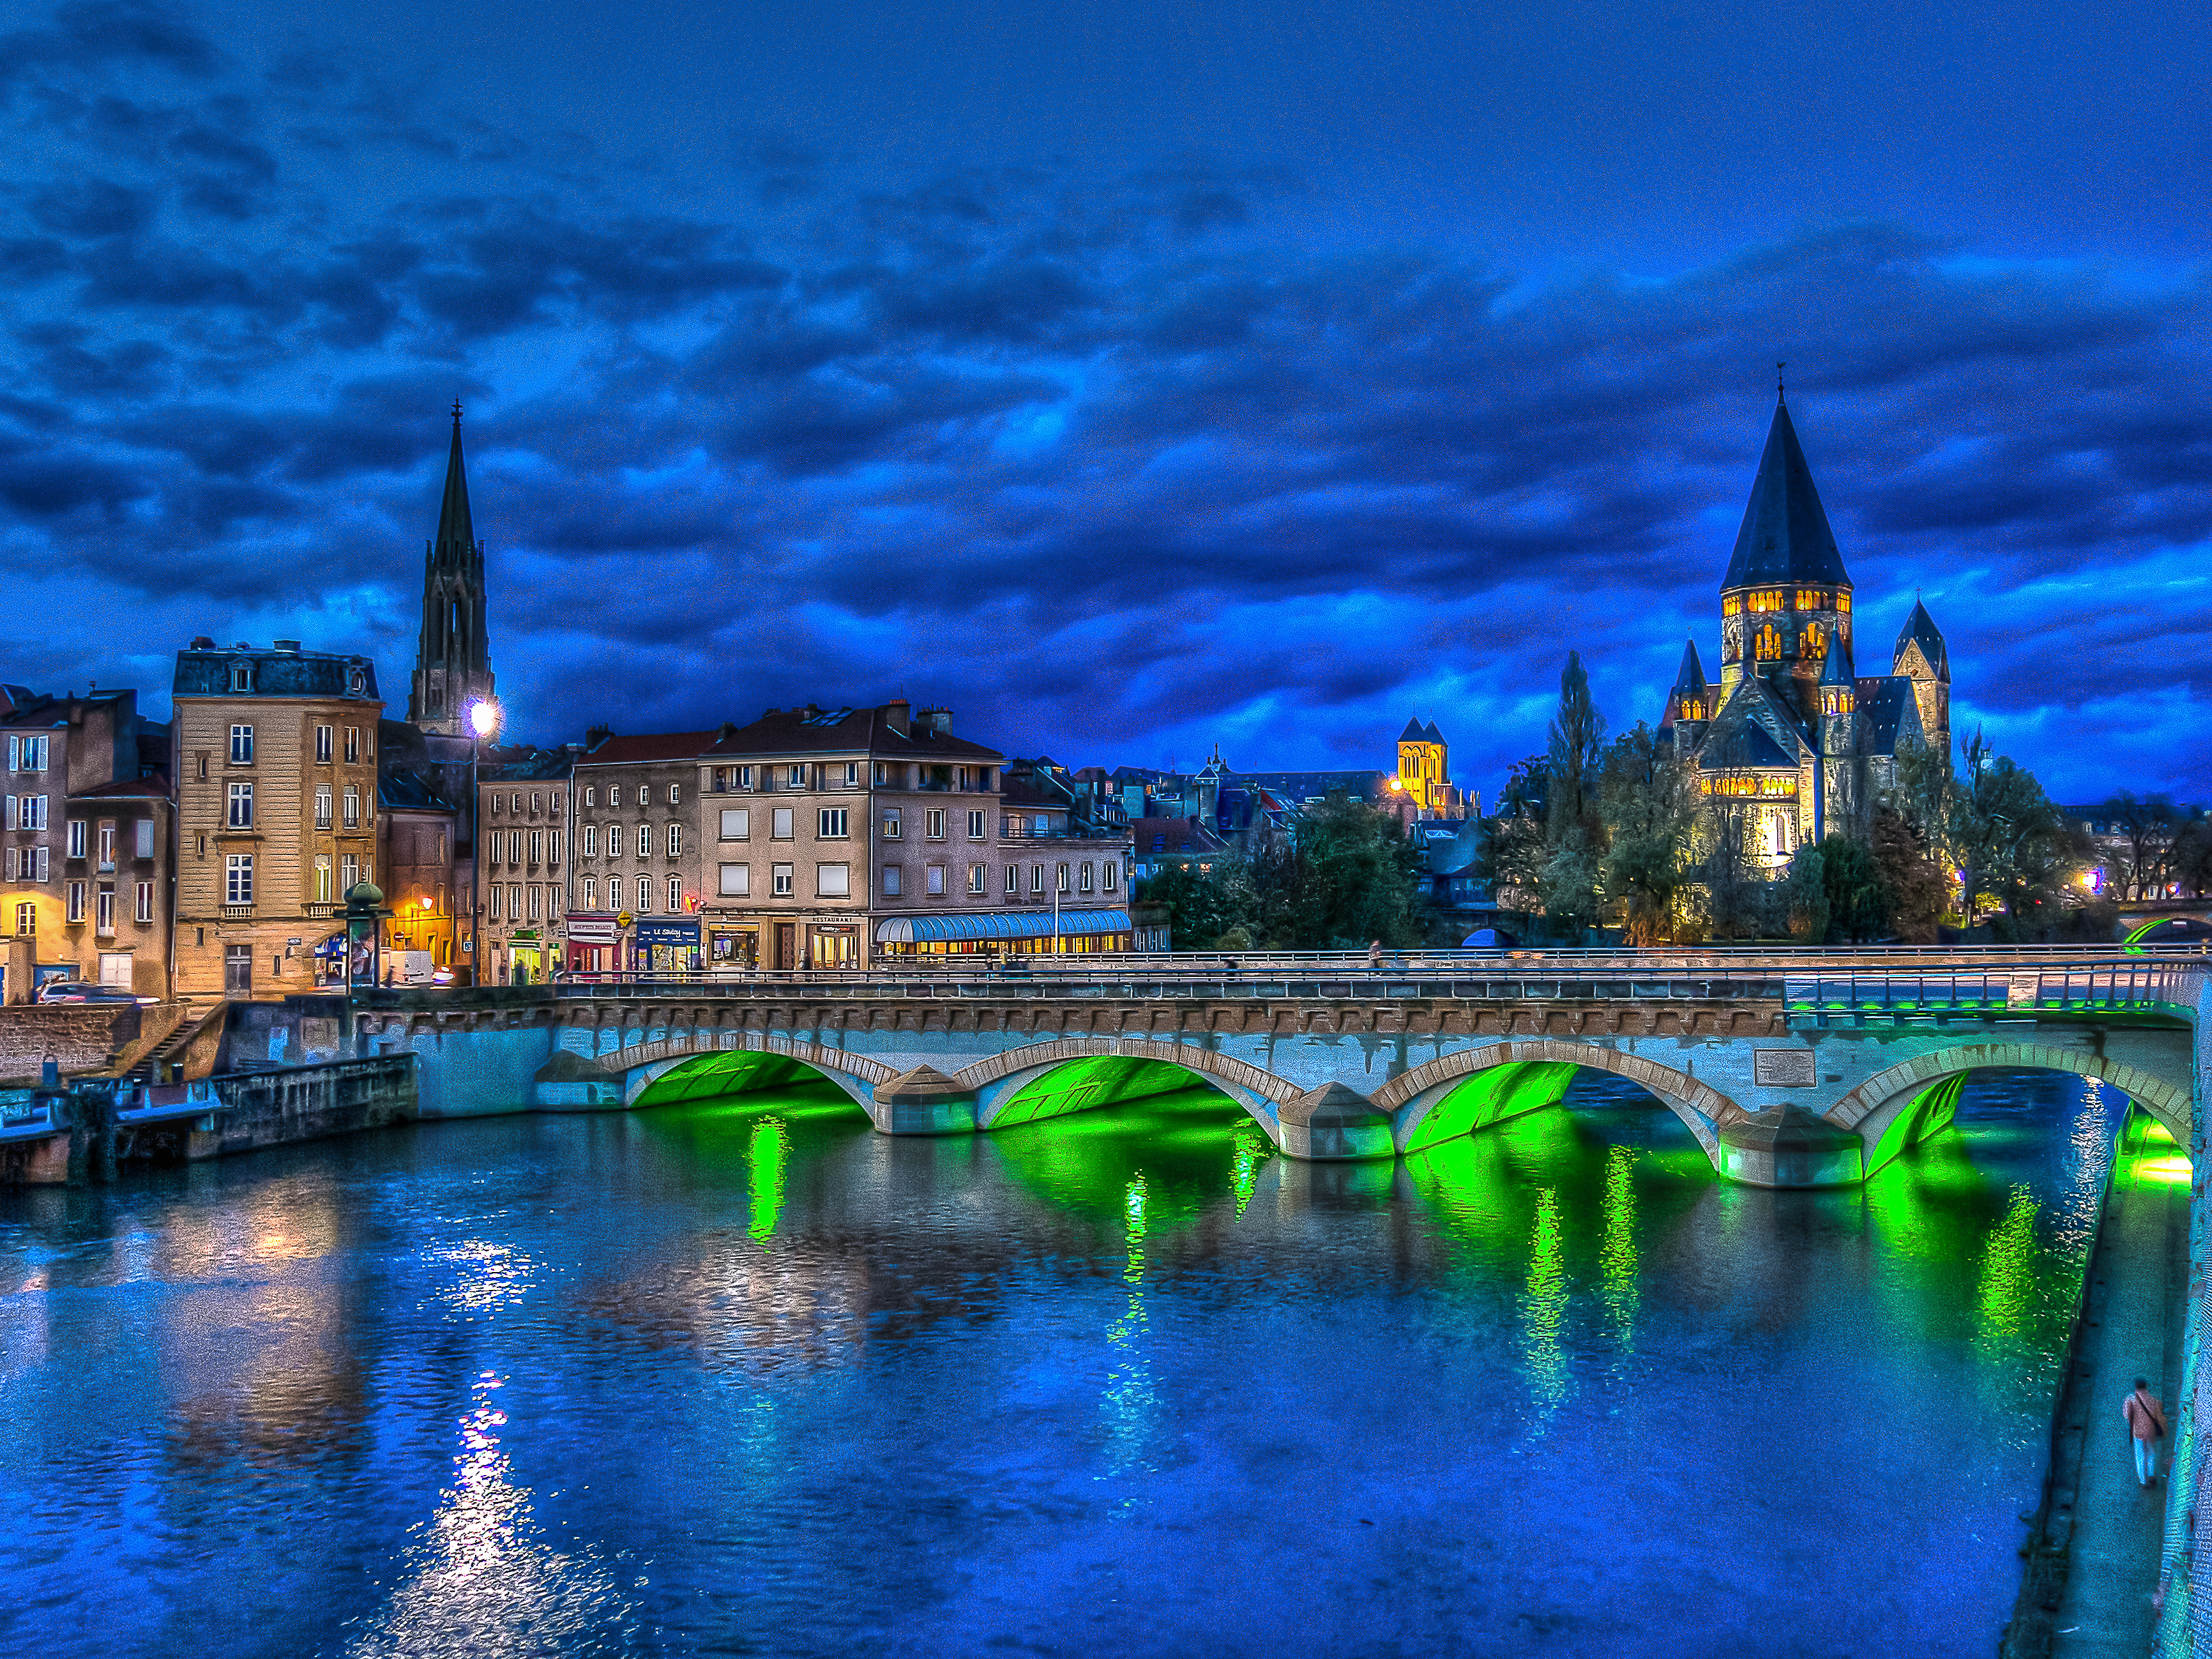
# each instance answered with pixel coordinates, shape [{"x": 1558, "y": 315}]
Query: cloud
[{"x": 1114, "y": 463}]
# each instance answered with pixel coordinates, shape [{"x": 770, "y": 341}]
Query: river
[{"x": 746, "y": 1377}]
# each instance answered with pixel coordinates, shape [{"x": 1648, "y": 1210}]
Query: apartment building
[
  {"x": 524, "y": 811},
  {"x": 273, "y": 754},
  {"x": 838, "y": 836},
  {"x": 86, "y": 846}
]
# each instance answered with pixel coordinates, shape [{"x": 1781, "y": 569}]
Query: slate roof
[
  {"x": 811, "y": 730},
  {"x": 455, "y": 531},
  {"x": 1786, "y": 536},
  {"x": 204, "y": 671},
  {"x": 643, "y": 748},
  {"x": 153, "y": 788},
  {"x": 1155, "y": 838},
  {"x": 1837, "y": 669},
  {"x": 1920, "y": 629},
  {"x": 1887, "y": 711}
]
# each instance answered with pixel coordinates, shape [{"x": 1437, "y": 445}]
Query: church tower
[
  {"x": 1786, "y": 596},
  {"x": 452, "y": 662},
  {"x": 1923, "y": 658}
]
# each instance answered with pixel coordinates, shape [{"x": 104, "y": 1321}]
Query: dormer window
[{"x": 241, "y": 676}]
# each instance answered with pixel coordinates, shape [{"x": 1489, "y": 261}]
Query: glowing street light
[{"x": 483, "y": 718}]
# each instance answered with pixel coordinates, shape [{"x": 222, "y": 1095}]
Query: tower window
[{"x": 1767, "y": 644}]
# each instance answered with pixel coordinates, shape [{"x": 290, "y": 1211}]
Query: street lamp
[{"x": 482, "y": 720}]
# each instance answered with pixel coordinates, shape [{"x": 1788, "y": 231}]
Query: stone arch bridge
[{"x": 1811, "y": 1073}]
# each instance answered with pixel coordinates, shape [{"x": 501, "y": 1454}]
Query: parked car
[{"x": 79, "y": 990}]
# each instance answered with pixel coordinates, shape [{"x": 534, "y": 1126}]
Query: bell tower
[
  {"x": 452, "y": 662},
  {"x": 1786, "y": 598}
]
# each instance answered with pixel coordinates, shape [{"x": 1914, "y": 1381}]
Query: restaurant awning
[{"x": 998, "y": 924}]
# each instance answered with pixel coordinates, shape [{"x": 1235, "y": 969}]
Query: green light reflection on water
[
  {"x": 1543, "y": 1314},
  {"x": 1130, "y": 1402},
  {"x": 766, "y": 1159},
  {"x": 1617, "y": 1255}
]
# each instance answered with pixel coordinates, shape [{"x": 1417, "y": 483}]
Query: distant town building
[
  {"x": 640, "y": 855},
  {"x": 526, "y": 805},
  {"x": 274, "y": 751},
  {"x": 1424, "y": 777},
  {"x": 1792, "y": 729}
]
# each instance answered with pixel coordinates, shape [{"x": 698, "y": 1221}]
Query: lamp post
[{"x": 483, "y": 726}]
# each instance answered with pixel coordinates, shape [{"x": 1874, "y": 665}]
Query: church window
[
  {"x": 1767, "y": 644},
  {"x": 1764, "y": 598},
  {"x": 1732, "y": 604},
  {"x": 1812, "y": 640},
  {"x": 1844, "y": 600}
]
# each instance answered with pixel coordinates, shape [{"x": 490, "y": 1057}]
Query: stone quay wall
[{"x": 78, "y": 1037}]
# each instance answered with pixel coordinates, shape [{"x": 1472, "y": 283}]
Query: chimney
[
  {"x": 898, "y": 715},
  {"x": 202, "y": 642},
  {"x": 940, "y": 720},
  {"x": 596, "y": 735},
  {"x": 292, "y": 645}
]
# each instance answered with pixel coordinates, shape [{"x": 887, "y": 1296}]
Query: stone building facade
[
  {"x": 85, "y": 852},
  {"x": 1792, "y": 729},
  {"x": 525, "y": 808},
  {"x": 274, "y": 754}
]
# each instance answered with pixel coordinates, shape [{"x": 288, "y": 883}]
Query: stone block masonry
[{"x": 76, "y": 1037}]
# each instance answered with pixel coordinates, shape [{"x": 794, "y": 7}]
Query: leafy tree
[
  {"x": 2015, "y": 850},
  {"x": 1568, "y": 884},
  {"x": 1648, "y": 800},
  {"x": 1736, "y": 895},
  {"x": 1203, "y": 905},
  {"x": 1912, "y": 881},
  {"x": 1850, "y": 881},
  {"x": 1347, "y": 875},
  {"x": 2192, "y": 856},
  {"x": 1574, "y": 829},
  {"x": 1515, "y": 842},
  {"x": 2148, "y": 825}
]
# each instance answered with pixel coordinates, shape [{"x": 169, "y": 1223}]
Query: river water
[{"x": 746, "y": 1377}]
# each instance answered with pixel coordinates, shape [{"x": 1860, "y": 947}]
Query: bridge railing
[{"x": 2126, "y": 983}]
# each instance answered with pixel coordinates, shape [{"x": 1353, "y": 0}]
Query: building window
[
  {"x": 674, "y": 795},
  {"x": 591, "y": 841},
  {"x": 1083, "y": 880},
  {"x": 536, "y": 845},
  {"x": 736, "y": 823},
  {"x": 799, "y": 777},
  {"x": 675, "y": 840},
  {"x": 832, "y": 824},
  {"x": 238, "y": 879},
  {"x": 744, "y": 777},
  {"x": 933, "y": 824},
  {"x": 323, "y": 747},
  {"x": 833, "y": 881},
  {"x": 591, "y": 892},
  {"x": 780, "y": 880},
  {"x": 1013, "y": 879},
  {"x": 614, "y": 841},
  {"x": 322, "y": 807},
  {"x": 27, "y": 919},
  {"x": 1062, "y": 878},
  {"x": 75, "y": 838},
  {"x": 891, "y": 879},
  {"x": 779, "y": 824},
  {"x": 103, "y": 921},
  {"x": 591, "y": 797},
  {"x": 242, "y": 807},
  {"x": 553, "y": 902},
  {"x": 645, "y": 895},
  {"x": 494, "y": 900},
  {"x": 614, "y": 794},
  {"x": 552, "y": 847},
  {"x": 675, "y": 895},
  {"x": 75, "y": 910},
  {"x": 352, "y": 744},
  {"x": 352, "y": 804},
  {"x": 322, "y": 877},
  {"x": 736, "y": 881},
  {"x": 514, "y": 901},
  {"x": 851, "y": 774},
  {"x": 1109, "y": 876},
  {"x": 26, "y": 754},
  {"x": 933, "y": 880},
  {"x": 1767, "y": 644},
  {"x": 107, "y": 846},
  {"x": 537, "y": 901},
  {"x": 537, "y": 802},
  {"x": 241, "y": 676},
  {"x": 978, "y": 876},
  {"x": 143, "y": 911},
  {"x": 241, "y": 745},
  {"x": 977, "y": 821},
  {"x": 200, "y": 760},
  {"x": 892, "y": 825},
  {"x": 237, "y": 968}
]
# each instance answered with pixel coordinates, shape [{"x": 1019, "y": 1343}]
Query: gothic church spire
[{"x": 453, "y": 659}]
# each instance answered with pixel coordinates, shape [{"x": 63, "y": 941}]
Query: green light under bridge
[{"x": 1493, "y": 1096}]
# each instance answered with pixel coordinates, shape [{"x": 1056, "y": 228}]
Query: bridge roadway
[{"x": 1792, "y": 1070}]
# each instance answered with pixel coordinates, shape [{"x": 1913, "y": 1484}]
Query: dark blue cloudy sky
[{"x": 1131, "y": 378}]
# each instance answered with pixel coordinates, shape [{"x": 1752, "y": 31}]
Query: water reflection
[
  {"x": 1543, "y": 1314},
  {"x": 1131, "y": 1403},
  {"x": 1617, "y": 1258},
  {"x": 765, "y": 1159},
  {"x": 479, "y": 1577}
]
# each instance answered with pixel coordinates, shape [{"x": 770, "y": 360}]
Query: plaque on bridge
[{"x": 1783, "y": 1068}]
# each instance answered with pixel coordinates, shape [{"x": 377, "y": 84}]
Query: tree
[
  {"x": 2192, "y": 856},
  {"x": 2014, "y": 848},
  {"x": 2147, "y": 825},
  {"x": 1574, "y": 830},
  {"x": 1648, "y": 800},
  {"x": 1347, "y": 875},
  {"x": 1912, "y": 883},
  {"x": 1516, "y": 864},
  {"x": 1203, "y": 905}
]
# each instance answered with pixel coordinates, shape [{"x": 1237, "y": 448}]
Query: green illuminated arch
[
  {"x": 1093, "y": 1083},
  {"x": 737, "y": 1072}
]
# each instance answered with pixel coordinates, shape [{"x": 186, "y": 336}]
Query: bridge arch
[
  {"x": 1096, "y": 1072},
  {"x": 1456, "y": 1094},
  {"x": 643, "y": 1065},
  {"x": 1894, "y": 1108}
]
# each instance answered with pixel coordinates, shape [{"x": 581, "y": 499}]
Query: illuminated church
[{"x": 1792, "y": 725}]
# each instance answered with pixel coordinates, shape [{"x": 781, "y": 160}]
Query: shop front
[
  {"x": 732, "y": 947},
  {"x": 667, "y": 946},
  {"x": 526, "y": 956},
  {"x": 593, "y": 947},
  {"x": 1004, "y": 933}
]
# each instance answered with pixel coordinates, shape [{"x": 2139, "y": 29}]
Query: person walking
[
  {"x": 2146, "y": 1422},
  {"x": 1375, "y": 958}
]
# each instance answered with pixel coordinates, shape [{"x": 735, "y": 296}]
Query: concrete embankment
[{"x": 2091, "y": 1555}]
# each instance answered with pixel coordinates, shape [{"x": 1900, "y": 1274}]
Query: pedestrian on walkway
[
  {"x": 1375, "y": 957},
  {"x": 2146, "y": 1422}
]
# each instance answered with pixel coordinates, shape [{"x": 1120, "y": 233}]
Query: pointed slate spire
[
  {"x": 1920, "y": 629},
  {"x": 1838, "y": 669},
  {"x": 456, "y": 535},
  {"x": 1689, "y": 678},
  {"x": 1691, "y": 691},
  {"x": 1786, "y": 536},
  {"x": 1412, "y": 732}
]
